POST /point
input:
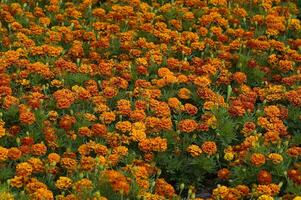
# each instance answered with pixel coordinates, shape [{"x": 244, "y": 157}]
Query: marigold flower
[
  {"x": 3, "y": 153},
  {"x": 83, "y": 185},
  {"x": 265, "y": 197},
  {"x": 87, "y": 163},
  {"x": 42, "y": 194},
  {"x": 118, "y": 181},
  {"x": 27, "y": 118},
  {"x": 54, "y": 158},
  {"x": 202, "y": 81},
  {"x": 187, "y": 125},
  {"x": 37, "y": 165},
  {"x": 164, "y": 189},
  {"x": 17, "y": 181},
  {"x": 209, "y": 147},
  {"x": 194, "y": 150},
  {"x": 24, "y": 169},
  {"x": 63, "y": 183},
  {"x": 6, "y": 195},
  {"x": 184, "y": 93},
  {"x": 124, "y": 126},
  {"x": 153, "y": 144},
  {"x": 85, "y": 131},
  {"x": 223, "y": 173},
  {"x": 275, "y": 158},
  {"x": 108, "y": 117},
  {"x": 39, "y": 149},
  {"x": 264, "y": 177},
  {"x": 69, "y": 163},
  {"x": 257, "y": 159},
  {"x": 13, "y": 153},
  {"x": 64, "y": 98},
  {"x": 229, "y": 156}
]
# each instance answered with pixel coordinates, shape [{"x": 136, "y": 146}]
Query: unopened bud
[{"x": 182, "y": 186}]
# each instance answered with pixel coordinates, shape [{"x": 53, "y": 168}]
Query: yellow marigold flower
[
  {"x": 297, "y": 198},
  {"x": 229, "y": 156},
  {"x": 220, "y": 192},
  {"x": 275, "y": 158},
  {"x": 194, "y": 150},
  {"x": 6, "y": 196},
  {"x": 42, "y": 194},
  {"x": 2, "y": 129},
  {"x": 265, "y": 197},
  {"x": 3, "y": 153},
  {"x": 63, "y": 183},
  {"x": 17, "y": 181}
]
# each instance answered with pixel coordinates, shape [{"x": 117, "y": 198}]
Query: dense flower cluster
[{"x": 150, "y": 99}]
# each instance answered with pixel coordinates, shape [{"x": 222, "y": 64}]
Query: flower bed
[{"x": 145, "y": 99}]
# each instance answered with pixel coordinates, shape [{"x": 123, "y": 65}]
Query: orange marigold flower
[
  {"x": 153, "y": 144},
  {"x": 9, "y": 101},
  {"x": 13, "y": 153},
  {"x": 223, "y": 173},
  {"x": 53, "y": 158},
  {"x": 83, "y": 185},
  {"x": 209, "y": 147},
  {"x": 243, "y": 189},
  {"x": 27, "y": 118},
  {"x": 64, "y": 98},
  {"x": 87, "y": 163},
  {"x": 109, "y": 92},
  {"x": 272, "y": 111},
  {"x": 118, "y": 181},
  {"x": 202, "y": 81},
  {"x": 24, "y": 169},
  {"x": 239, "y": 77},
  {"x": 69, "y": 163},
  {"x": 294, "y": 151},
  {"x": 187, "y": 125},
  {"x": 191, "y": 109},
  {"x": 52, "y": 115},
  {"x": 108, "y": 117},
  {"x": 184, "y": 93},
  {"x": 120, "y": 150},
  {"x": 257, "y": 159},
  {"x": 85, "y": 131},
  {"x": 42, "y": 194},
  {"x": 137, "y": 115},
  {"x": 39, "y": 149},
  {"x": 123, "y": 126},
  {"x": 99, "y": 129},
  {"x": 264, "y": 177},
  {"x": 164, "y": 189},
  {"x": 37, "y": 165},
  {"x": 101, "y": 149}
]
